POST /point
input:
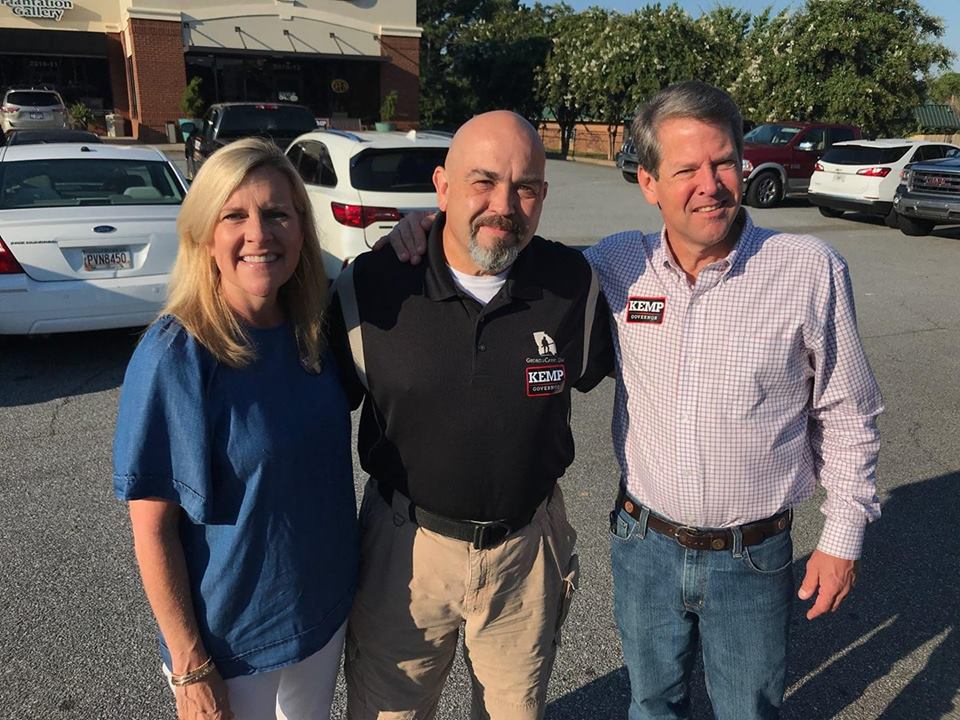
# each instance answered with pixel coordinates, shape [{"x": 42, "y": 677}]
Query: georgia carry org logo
[
  {"x": 646, "y": 309},
  {"x": 545, "y": 375}
]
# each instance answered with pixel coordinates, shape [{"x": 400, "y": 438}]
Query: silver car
[{"x": 30, "y": 109}]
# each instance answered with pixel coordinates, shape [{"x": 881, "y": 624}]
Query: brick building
[{"x": 135, "y": 57}]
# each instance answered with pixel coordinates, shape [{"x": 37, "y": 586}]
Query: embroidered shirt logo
[
  {"x": 545, "y": 380},
  {"x": 545, "y": 344},
  {"x": 646, "y": 309}
]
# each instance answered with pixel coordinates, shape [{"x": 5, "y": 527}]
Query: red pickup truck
[{"x": 778, "y": 158}]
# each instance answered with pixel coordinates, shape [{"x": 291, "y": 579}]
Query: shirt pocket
[{"x": 762, "y": 374}]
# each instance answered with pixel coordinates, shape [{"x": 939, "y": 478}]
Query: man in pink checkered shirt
[{"x": 741, "y": 382}]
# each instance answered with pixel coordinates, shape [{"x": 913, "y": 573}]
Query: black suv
[{"x": 225, "y": 122}]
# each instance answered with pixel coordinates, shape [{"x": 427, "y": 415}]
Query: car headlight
[{"x": 747, "y": 166}]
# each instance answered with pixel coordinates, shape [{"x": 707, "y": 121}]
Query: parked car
[
  {"x": 35, "y": 137},
  {"x": 627, "y": 160},
  {"x": 87, "y": 236},
  {"x": 778, "y": 158},
  {"x": 863, "y": 175},
  {"x": 928, "y": 196},
  {"x": 225, "y": 122},
  {"x": 361, "y": 183},
  {"x": 30, "y": 109}
]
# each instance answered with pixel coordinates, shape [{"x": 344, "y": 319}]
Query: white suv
[
  {"x": 862, "y": 175},
  {"x": 29, "y": 109},
  {"x": 361, "y": 183}
]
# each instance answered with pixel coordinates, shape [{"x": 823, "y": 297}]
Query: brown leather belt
[{"x": 709, "y": 538}]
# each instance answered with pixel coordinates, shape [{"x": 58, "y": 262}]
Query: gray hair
[{"x": 690, "y": 99}]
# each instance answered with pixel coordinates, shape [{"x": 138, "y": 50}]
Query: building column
[
  {"x": 401, "y": 72},
  {"x": 159, "y": 76}
]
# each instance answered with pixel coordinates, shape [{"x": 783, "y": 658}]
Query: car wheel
[
  {"x": 830, "y": 212},
  {"x": 630, "y": 177},
  {"x": 764, "y": 191},
  {"x": 892, "y": 219},
  {"x": 915, "y": 228}
]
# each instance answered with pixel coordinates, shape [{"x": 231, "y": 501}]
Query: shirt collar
[{"x": 521, "y": 282}]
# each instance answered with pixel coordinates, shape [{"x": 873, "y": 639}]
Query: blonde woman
[{"x": 233, "y": 449}]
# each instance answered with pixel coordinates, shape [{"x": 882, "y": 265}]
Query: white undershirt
[{"x": 481, "y": 288}]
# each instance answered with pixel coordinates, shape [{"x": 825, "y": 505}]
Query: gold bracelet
[{"x": 189, "y": 678}]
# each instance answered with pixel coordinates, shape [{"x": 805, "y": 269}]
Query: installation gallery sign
[{"x": 43, "y": 9}]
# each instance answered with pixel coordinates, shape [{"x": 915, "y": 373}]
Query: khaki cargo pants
[{"x": 418, "y": 588}]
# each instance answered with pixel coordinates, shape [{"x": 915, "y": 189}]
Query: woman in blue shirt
[{"x": 233, "y": 449}]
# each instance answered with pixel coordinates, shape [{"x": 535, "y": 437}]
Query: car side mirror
[{"x": 806, "y": 145}]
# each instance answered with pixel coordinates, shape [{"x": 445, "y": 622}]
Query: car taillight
[
  {"x": 818, "y": 168},
  {"x": 60, "y": 109},
  {"x": 8, "y": 263},
  {"x": 874, "y": 171},
  {"x": 8, "y": 109},
  {"x": 361, "y": 216}
]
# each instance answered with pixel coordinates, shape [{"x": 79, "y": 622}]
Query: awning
[
  {"x": 937, "y": 117},
  {"x": 238, "y": 52}
]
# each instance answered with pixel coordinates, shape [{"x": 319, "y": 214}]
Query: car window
[
  {"x": 74, "y": 182},
  {"x": 314, "y": 164},
  {"x": 276, "y": 120},
  {"x": 864, "y": 154},
  {"x": 33, "y": 98},
  {"x": 931, "y": 152},
  {"x": 771, "y": 134},
  {"x": 815, "y": 136},
  {"x": 840, "y": 135},
  {"x": 397, "y": 170}
]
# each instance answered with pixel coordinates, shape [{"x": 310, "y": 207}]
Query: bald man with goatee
[{"x": 464, "y": 363}]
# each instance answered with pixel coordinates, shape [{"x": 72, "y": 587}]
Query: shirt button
[{"x": 481, "y": 347}]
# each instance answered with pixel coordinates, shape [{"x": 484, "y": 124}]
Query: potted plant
[
  {"x": 192, "y": 106},
  {"x": 388, "y": 109},
  {"x": 80, "y": 116}
]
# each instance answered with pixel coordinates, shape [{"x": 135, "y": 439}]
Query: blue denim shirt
[{"x": 259, "y": 460}]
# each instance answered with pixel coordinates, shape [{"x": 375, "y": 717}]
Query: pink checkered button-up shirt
[{"x": 734, "y": 395}]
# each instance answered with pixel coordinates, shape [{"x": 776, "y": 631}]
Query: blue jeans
[{"x": 737, "y": 602}]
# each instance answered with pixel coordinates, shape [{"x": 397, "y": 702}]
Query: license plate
[
  {"x": 36, "y": 116},
  {"x": 837, "y": 177},
  {"x": 115, "y": 258}
]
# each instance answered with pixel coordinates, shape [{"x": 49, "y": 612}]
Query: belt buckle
[
  {"x": 685, "y": 531},
  {"x": 482, "y": 530}
]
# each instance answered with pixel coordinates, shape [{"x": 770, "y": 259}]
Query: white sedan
[
  {"x": 862, "y": 175},
  {"x": 87, "y": 236},
  {"x": 361, "y": 183}
]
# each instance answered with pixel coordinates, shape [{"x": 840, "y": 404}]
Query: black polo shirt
[{"x": 467, "y": 406}]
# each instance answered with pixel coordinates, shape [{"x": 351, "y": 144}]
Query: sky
[{"x": 947, "y": 10}]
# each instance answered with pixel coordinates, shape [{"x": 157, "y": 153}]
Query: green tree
[
  {"x": 554, "y": 85},
  {"x": 846, "y": 60},
  {"x": 945, "y": 89},
  {"x": 446, "y": 99}
]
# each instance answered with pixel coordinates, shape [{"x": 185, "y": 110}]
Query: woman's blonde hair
[{"x": 194, "y": 296}]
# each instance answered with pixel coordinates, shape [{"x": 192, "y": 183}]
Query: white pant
[{"x": 303, "y": 691}]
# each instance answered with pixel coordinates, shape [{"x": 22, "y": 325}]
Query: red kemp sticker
[
  {"x": 545, "y": 380},
  {"x": 646, "y": 309}
]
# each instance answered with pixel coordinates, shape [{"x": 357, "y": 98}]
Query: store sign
[
  {"x": 340, "y": 86},
  {"x": 43, "y": 9}
]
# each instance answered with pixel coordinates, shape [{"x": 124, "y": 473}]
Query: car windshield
[
  {"x": 72, "y": 182},
  {"x": 32, "y": 98},
  {"x": 397, "y": 169},
  {"x": 35, "y": 137},
  {"x": 274, "y": 120},
  {"x": 771, "y": 134},
  {"x": 864, "y": 155}
]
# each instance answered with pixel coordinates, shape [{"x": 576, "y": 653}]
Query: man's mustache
[{"x": 498, "y": 222}]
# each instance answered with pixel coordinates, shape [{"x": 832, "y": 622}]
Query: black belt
[
  {"x": 482, "y": 535},
  {"x": 709, "y": 538}
]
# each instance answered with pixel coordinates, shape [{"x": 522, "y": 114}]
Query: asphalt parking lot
[{"x": 77, "y": 639}]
